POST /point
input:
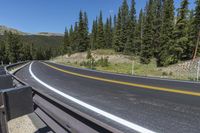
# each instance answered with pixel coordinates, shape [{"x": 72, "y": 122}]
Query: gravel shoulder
[{"x": 28, "y": 124}]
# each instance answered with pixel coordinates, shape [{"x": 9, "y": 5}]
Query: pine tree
[
  {"x": 124, "y": 23},
  {"x": 157, "y": 25},
  {"x": 165, "y": 56},
  {"x": 130, "y": 46},
  {"x": 2, "y": 53},
  {"x": 139, "y": 33},
  {"x": 86, "y": 21},
  {"x": 197, "y": 25},
  {"x": 32, "y": 51},
  {"x": 181, "y": 32},
  {"x": 117, "y": 43},
  {"x": 75, "y": 38},
  {"x": 147, "y": 51},
  {"x": 66, "y": 47},
  {"x": 111, "y": 31},
  {"x": 87, "y": 40},
  {"x": 71, "y": 37},
  {"x": 100, "y": 33},
  {"x": 115, "y": 22},
  {"x": 108, "y": 33},
  {"x": 114, "y": 28},
  {"x": 93, "y": 38},
  {"x": 82, "y": 39},
  {"x": 25, "y": 52},
  {"x": 12, "y": 47},
  {"x": 189, "y": 51}
]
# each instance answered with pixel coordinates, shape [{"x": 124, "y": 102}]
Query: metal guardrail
[
  {"x": 11, "y": 98},
  {"x": 61, "y": 117}
]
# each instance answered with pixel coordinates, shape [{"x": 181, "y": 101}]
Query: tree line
[
  {"x": 15, "y": 48},
  {"x": 158, "y": 32}
]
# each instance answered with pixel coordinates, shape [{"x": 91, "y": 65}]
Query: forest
[
  {"x": 160, "y": 31},
  {"x": 15, "y": 47}
]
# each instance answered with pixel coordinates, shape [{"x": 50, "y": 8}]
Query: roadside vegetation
[
  {"x": 162, "y": 41},
  {"x": 160, "y": 32},
  {"x": 111, "y": 61}
]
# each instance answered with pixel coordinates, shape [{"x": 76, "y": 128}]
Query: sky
[{"x": 54, "y": 15}]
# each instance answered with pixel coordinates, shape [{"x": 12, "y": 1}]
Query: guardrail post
[
  {"x": 133, "y": 65},
  {"x": 3, "y": 119},
  {"x": 198, "y": 67},
  {"x": 6, "y": 82}
]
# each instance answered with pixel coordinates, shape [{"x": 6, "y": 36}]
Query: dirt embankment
[{"x": 80, "y": 57}]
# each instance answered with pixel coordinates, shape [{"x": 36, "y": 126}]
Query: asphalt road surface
[{"x": 131, "y": 104}]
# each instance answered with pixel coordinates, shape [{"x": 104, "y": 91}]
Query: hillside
[
  {"x": 49, "y": 34},
  {"x": 41, "y": 40},
  {"x": 5, "y": 28},
  {"x": 118, "y": 63},
  {"x": 16, "y": 31}
]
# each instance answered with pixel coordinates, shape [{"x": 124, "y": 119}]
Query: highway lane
[{"x": 159, "y": 111}]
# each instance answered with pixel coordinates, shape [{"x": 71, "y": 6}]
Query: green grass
[
  {"x": 139, "y": 69},
  {"x": 125, "y": 68}
]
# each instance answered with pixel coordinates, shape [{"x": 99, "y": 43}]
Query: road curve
[{"x": 131, "y": 104}]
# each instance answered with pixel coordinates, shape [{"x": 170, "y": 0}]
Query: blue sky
[{"x": 54, "y": 15}]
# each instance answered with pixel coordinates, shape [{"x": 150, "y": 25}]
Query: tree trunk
[{"x": 197, "y": 45}]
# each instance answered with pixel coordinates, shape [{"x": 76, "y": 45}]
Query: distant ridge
[
  {"x": 5, "y": 28},
  {"x": 49, "y": 34}
]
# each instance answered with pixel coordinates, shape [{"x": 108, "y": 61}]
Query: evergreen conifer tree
[
  {"x": 181, "y": 32},
  {"x": 124, "y": 23},
  {"x": 93, "y": 37},
  {"x": 108, "y": 33},
  {"x": 157, "y": 25},
  {"x": 82, "y": 39},
  {"x": 165, "y": 56},
  {"x": 139, "y": 33},
  {"x": 100, "y": 33},
  {"x": 117, "y": 43},
  {"x": 130, "y": 46},
  {"x": 197, "y": 27},
  {"x": 147, "y": 51}
]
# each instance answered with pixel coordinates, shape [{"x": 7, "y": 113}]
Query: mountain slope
[{"x": 5, "y": 28}]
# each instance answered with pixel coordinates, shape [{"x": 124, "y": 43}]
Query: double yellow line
[{"x": 127, "y": 83}]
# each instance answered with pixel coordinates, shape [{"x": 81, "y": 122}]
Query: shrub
[
  {"x": 89, "y": 54},
  {"x": 103, "y": 62},
  {"x": 164, "y": 73},
  {"x": 89, "y": 63},
  {"x": 171, "y": 73}
]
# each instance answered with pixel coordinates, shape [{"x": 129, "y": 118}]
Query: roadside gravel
[{"x": 21, "y": 125}]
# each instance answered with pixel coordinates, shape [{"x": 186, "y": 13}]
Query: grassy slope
[{"x": 123, "y": 64}]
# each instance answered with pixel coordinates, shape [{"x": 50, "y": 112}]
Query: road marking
[
  {"x": 127, "y": 83},
  {"x": 92, "y": 108},
  {"x": 125, "y": 75}
]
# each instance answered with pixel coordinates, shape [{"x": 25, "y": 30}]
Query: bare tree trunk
[{"x": 197, "y": 45}]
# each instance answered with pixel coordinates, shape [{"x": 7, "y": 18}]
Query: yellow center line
[{"x": 127, "y": 83}]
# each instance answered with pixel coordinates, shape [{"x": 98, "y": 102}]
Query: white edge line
[{"x": 92, "y": 108}]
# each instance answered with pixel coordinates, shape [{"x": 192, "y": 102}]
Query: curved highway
[{"x": 131, "y": 104}]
